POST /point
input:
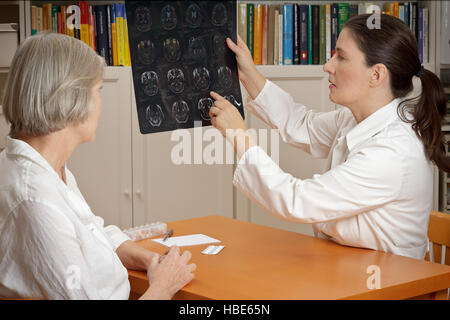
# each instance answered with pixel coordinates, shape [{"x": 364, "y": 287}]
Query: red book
[
  {"x": 265, "y": 24},
  {"x": 59, "y": 23}
]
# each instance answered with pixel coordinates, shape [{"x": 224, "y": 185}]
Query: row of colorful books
[
  {"x": 295, "y": 33},
  {"x": 103, "y": 27}
]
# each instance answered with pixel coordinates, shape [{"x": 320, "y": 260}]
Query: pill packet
[
  {"x": 146, "y": 231},
  {"x": 213, "y": 249}
]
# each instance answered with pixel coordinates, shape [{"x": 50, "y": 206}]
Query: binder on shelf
[
  {"x": 334, "y": 27},
  {"x": 271, "y": 35},
  {"x": 322, "y": 34},
  {"x": 265, "y": 22},
  {"x": 288, "y": 30},
  {"x": 242, "y": 21},
  {"x": 310, "y": 35},
  {"x": 303, "y": 34},
  {"x": 445, "y": 33},
  {"x": 102, "y": 32},
  {"x": 296, "y": 29},
  {"x": 315, "y": 34},
  {"x": 114, "y": 34},
  {"x": 250, "y": 22},
  {"x": 276, "y": 37},
  {"x": 257, "y": 34}
]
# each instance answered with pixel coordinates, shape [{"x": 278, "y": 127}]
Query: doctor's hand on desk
[
  {"x": 227, "y": 119},
  {"x": 169, "y": 273},
  {"x": 250, "y": 77}
]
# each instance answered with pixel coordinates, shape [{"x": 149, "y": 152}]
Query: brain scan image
[
  {"x": 219, "y": 41},
  {"x": 171, "y": 49},
  {"x": 204, "y": 105},
  {"x": 168, "y": 17},
  {"x": 201, "y": 78},
  {"x": 224, "y": 77},
  {"x": 180, "y": 111},
  {"x": 150, "y": 83},
  {"x": 219, "y": 15},
  {"x": 197, "y": 47},
  {"x": 233, "y": 100},
  {"x": 193, "y": 16},
  {"x": 146, "y": 52},
  {"x": 175, "y": 79},
  {"x": 143, "y": 19},
  {"x": 154, "y": 115}
]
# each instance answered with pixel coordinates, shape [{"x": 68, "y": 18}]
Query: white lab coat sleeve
[
  {"x": 369, "y": 179},
  {"x": 114, "y": 235},
  {"x": 313, "y": 132},
  {"x": 48, "y": 257}
]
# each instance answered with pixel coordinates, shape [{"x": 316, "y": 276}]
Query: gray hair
[{"x": 49, "y": 84}]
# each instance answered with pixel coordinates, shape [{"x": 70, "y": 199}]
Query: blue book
[
  {"x": 310, "y": 39},
  {"x": 334, "y": 27},
  {"x": 420, "y": 34},
  {"x": 288, "y": 32},
  {"x": 401, "y": 12},
  {"x": 303, "y": 34},
  {"x": 407, "y": 10}
]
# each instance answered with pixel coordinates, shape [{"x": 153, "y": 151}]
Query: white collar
[
  {"x": 373, "y": 124},
  {"x": 22, "y": 149}
]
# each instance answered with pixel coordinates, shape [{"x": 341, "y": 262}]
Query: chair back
[{"x": 439, "y": 234}]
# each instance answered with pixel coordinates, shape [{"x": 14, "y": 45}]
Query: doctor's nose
[{"x": 328, "y": 67}]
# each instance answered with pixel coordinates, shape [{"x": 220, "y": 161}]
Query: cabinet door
[
  {"x": 103, "y": 167},
  {"x": 309, "y": 86},
  {"x": 166, "y": 191}
]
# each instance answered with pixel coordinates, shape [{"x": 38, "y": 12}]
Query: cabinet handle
[
  {"x": 126, "y": 193},
  {"x": 138, "y": 193}
]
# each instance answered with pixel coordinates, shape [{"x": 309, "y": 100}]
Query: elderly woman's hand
[
  {"x": 226, "y": 118},
  {"x": 168, "y": 275}
]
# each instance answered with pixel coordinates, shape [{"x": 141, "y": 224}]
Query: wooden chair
[{"x": 439, "y": 237}]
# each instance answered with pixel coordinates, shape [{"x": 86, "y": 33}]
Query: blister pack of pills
[{"x": 146, "y": 231}]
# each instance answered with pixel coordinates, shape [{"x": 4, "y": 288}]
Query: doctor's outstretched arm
[{"x": 250, "y": 77}]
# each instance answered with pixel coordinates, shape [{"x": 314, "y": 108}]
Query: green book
[
  {"x": 322, "y": 35},
  {"x": 250, "y": 17},
  {"x": 310, "y": 36},
  {"x": 343, "y": 15},
  {"x": 55, "y": 19}
]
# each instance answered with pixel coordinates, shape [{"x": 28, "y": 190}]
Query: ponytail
[{"x": 429, "y": 110}]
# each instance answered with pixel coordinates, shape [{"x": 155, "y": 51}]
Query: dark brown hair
[{"x": 394, "y": 45}]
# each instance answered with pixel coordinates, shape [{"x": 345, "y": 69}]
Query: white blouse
[
  {"x": 376, "y": 191},
  {"x": 51, "y": 244}
]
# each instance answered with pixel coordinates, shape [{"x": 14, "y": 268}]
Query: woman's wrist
[
  {"x": 156, "y": 293},
  {"x": 253, "y": 82},
  {"x": 242, "y": 142}
]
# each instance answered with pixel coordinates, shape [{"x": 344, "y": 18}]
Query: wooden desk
[{"x": 265, "y": 263}]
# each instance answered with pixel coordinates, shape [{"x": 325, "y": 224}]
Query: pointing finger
[{"x": 216, "y": 96}]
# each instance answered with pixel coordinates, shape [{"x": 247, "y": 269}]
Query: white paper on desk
[{"x": 190, "y": 240}]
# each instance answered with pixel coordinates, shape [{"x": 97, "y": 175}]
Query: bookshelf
[{"x": 136, "y": 182}]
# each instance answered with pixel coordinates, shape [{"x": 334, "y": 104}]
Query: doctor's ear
[{"x": 378, "y": 74}]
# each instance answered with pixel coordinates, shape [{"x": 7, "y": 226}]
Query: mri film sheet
[{"x": 179, "y": 54}]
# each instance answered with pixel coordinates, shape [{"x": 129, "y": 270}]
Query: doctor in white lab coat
[{"x": 377, "y": 190}]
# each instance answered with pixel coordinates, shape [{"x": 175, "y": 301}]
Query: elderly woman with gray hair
[{"x": 51, "y": 244}]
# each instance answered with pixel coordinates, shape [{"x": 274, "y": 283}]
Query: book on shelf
[
  {"x": 295, "y": 32},
  {"x": 257, "y": 34},
  {"x": 103, "y": 27},
  {"x": 288, "y": 31}
]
